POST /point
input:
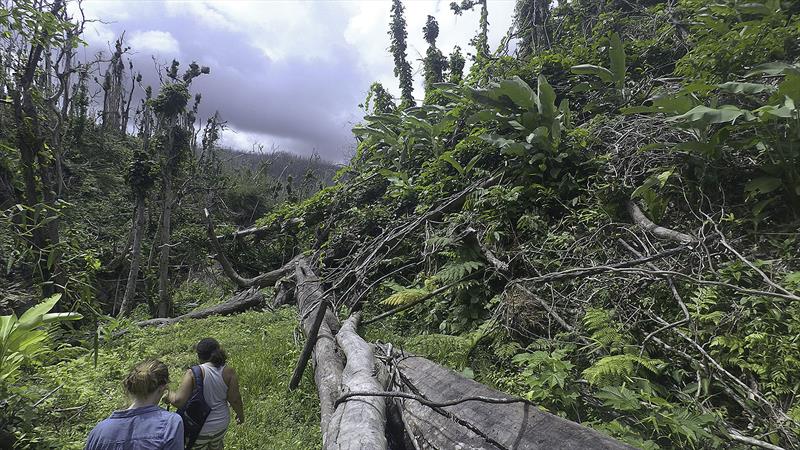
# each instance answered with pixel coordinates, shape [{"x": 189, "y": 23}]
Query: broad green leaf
[
  {"x": 782, "y": 112},
  {"x": 762, "y": 185},
  {"x": 566, "y": 114},
  {"x": 546, "y": 98},
  {"x": 420, "y": 124},
  {"x": 483, "y": 115},
  {"x": 446, "y": 156},
  {"x": 33, "y": 316},
  {"x": 518, "y": 91},
  {"x": 616, "y": 54},
  {"x": 745, "y": 88},
  {"x": 516, "y": 149},
  {"x": 589, "y": 69},
  {"x": 789, "y": 87},
  {"x": 581, "y": 87},
  {"x": 472, "y": 163},
  {"x": 756, "y": 9},
  {"x": 703, "y": 115},
  {"x": 539, "y": 134},
  {"x": 774, "y": 68},
  {"x": 57, "y": 317},
  {"x": 7, "y": 324}
]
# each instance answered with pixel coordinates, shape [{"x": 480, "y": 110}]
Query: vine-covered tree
[
  {"x": 172, "y": 142},
  {"x": 456, "y": 65},
  {"x": 402, "y": 68},
  {"x": 378, "y": 100},
  {"x": 113, "y": 98},
  {"x": 531, "y": 22},
  {"x": 481, "y": 40},
  {"x": 435, "y": 63},
  {"x": 38, "y": 42}
]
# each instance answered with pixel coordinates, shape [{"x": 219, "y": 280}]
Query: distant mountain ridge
[{"x": 280, "y": 164}]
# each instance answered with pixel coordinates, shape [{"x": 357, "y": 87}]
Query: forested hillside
[{"x": 600, "y": 216}]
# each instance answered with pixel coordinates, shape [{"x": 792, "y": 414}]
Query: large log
[
  {"x": 240, "y": 302},
  {"x": 359, "y": 423},
  {"x": 481, "y": 425},
  {"x": 328, "y": 363}
]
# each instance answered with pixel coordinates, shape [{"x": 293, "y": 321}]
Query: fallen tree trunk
[
  {"x": 359, "y": 423},
  {"x": 438, "y": 408},
  {"x": 477, "y": 424},
  {"x": 240, "y": 302},
  {"x": 328, "y": 363},
  {"x": 260, "y": 232}
]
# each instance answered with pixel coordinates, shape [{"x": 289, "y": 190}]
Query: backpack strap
[{"x": 198, "y": 378}]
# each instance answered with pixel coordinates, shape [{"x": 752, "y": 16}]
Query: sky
[{"x": 284, "y": 74}]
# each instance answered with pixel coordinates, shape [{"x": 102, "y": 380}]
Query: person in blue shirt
[{"x": 144, "y": 425}]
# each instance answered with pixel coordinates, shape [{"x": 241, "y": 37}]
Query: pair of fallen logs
[{"x": 344, "y": 363}]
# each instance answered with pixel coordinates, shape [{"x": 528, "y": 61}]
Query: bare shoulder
[{"x": 228, "y": 374}]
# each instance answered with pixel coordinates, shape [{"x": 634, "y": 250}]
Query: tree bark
[
  {"x": 264, "y": 280},
  {"x": 360, "y": 422},
  {"x": 164, "y": 298},
  {"x": 665, "y": 233},
  {"x": 136, "y": 254},
  {"x": 482, "y": 425},
  {"x": 328, "y": 363}
]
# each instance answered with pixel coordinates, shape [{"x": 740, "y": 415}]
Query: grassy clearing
[{"x": 261, "y": 347}]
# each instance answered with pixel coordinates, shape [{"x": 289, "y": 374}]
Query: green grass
[{"x": 261, "y": 347}]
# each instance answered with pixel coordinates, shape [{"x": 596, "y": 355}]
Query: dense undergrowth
[
  {"x": 513, "y": 215},
  {"x": 262, "y": 349}
]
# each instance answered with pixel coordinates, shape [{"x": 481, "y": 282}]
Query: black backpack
[{"x": 195, "y": 412}]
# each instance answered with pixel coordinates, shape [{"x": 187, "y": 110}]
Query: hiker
[
  {"x": 144, "y": 425},
  {"x": 220, "y": 388}
]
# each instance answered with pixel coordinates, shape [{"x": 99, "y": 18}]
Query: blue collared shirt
[{"x": 148, "y": 428}]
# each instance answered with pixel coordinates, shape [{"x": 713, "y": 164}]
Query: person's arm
[
  {"x": 235, "y": 397},
  {"x": 179, "y": 397}
]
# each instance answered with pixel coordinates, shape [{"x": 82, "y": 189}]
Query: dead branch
[
  {"x": 665, "y": 233},
  {"x": 240, "y": 302},
  {"x": 264, "y": 280}
]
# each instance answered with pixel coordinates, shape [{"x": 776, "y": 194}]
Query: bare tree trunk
[
  {"x": 112, "y": 85},
  {"x": 136, "y": 256},
  {"x": 164, "y": 298}
]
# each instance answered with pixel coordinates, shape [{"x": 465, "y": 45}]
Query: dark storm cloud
[{"x": 301, "y": 102}]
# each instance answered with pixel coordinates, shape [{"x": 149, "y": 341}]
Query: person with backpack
[
  {"x": 144, "y": 425},
  {"x": 206, "y": 390}
]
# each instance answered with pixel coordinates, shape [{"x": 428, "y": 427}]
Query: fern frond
[
  {"x": 405, "y": 296},
  {"x": 610, "y": 369},
  {"x": 454, "y": 271},
  {"x": 606, "y": 332}
]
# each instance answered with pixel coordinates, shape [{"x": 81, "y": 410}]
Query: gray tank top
[{"x": 216, "y": 393}]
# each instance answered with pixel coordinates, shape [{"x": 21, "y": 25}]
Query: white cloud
[{"x": 161, "y": 43}]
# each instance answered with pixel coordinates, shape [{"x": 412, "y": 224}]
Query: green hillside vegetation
[{"x": 601, "y": 216}]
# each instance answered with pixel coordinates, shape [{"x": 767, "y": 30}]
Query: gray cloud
[{"x": 284, "y": 72}]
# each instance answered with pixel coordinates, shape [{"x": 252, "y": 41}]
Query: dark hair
[
  {"x": 208, "y": 349},
  {"x": 146, "y": 377}
]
